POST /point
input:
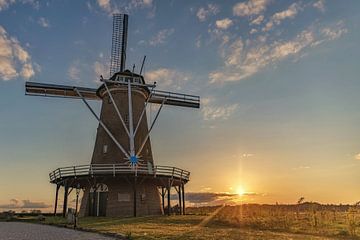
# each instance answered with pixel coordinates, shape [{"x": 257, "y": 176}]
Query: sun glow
[{"x": 240, "y": 191}]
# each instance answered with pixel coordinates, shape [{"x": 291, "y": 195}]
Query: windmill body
[{"x": 122, "y": 178}]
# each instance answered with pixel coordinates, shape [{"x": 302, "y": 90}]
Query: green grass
[{"x": 230, "y": 222}]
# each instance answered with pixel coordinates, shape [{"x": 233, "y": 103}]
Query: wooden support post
[
  {"x": 163, "y": 199},
  {"x": 183, "y": 198},
  {"x": 168, "y": 198},
  {"x": 56, "y": 198},
  {"x": 135, "y": 188},
  {"x": 66, "y": 191},
  {"x": 94, "y": 212},
  {"x": 179, "y": 194}
]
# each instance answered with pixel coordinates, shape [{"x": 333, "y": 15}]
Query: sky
[{"x": 278, "y": 81}]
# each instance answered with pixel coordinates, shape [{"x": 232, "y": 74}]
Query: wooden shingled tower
[{"x": 122, "y": 178}]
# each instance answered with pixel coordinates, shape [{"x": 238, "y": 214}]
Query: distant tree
[{"x": 301, "y": 200}]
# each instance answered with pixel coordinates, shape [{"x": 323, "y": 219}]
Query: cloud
[
  {"x": 218, "y": 112},
  {"x": 357, "y": 156},
  {"x": 111, "y": 7},
  {"x": 167, "y": 77},
  {"x": 161, "y": 36},
  {"x": 210, "y": 111},
  {"x": 74, "y": 71},
  {"x": 257, "y": 20},
  {"x": 209, "y": 197},
  {"x": 320, "y": 5},
  {"x": 30, "y": 204},
  {"x": 301, "y": 168},
  {"x": 216, "y": 198},
  {"x": 16, "y": 204},
  {"x": 15, "y": 61},
  {"x": 105, "y": 5},
  {"x": 44, "y": 22},
  {"x": 244, "y": 59},
  {"x": 251, "y": 7},
  {"x": 336, "y": 31},
  {"x": 224, "y": 23},
  {"x": 278, "y": 17},
  {"x": 100, "y": 69},
  {"x": 204, "y": 12},
  {"x": 4, "y": 4}
]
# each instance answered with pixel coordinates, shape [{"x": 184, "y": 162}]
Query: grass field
[{"x": 233, "y": 222}]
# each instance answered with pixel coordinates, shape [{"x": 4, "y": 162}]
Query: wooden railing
[{"x": 116, "y": 170}]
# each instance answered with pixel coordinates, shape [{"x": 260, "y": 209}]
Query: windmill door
[{"x": 98, "y": 201}]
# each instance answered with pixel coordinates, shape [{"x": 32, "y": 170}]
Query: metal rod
[
  {"x": 142, "y": 65},
  {"x": 152, "y": 125},
  {"x": 131, "y": 123},
  {"x": 117, "y": 109},
  {"x": 142, "y": 114},
  {"x": 133, "y": 84},
  {"x": 102, "y": 124}
]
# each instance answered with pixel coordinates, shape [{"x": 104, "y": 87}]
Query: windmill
[{"x": 122, "y": 179}]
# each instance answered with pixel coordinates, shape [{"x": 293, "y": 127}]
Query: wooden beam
[
  {"x": 168, "y": 198},
  {"x": 163, "y": 198},
  {"x": 135, "y": 188},
  {"x": 179, "y": 194},
  {"x": 66, "y": 190},
  {"x": 183, "y": 198},
  {"x": 56, "y": 198}
]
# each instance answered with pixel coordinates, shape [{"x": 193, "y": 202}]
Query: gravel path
[{"x": 29, "y": 231}]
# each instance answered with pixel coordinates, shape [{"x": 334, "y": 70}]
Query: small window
[
  {"x": 126, "y": 118},
  {"x": 105, "y": 149},
  {"x": 123, "y": 197},
  {"x": 143, "y": 197}
]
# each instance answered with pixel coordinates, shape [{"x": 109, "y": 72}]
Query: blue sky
[{"x": 279, "y": 83}]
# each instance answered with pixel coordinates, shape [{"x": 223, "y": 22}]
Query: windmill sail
[
  {"x": 54, "y": 90},
  {"x": 119, "y": 42}
]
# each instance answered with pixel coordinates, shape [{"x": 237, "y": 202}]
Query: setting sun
[{"x": 240, "y": 191}]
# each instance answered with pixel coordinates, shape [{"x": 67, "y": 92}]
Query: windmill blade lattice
[{"x": 119, "y": 43}]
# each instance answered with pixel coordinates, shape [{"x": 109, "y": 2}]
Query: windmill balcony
[{"x": 117, "y": 170}]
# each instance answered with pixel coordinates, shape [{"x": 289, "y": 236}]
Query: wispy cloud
[
  {"x": 111, "y": 6},
  {"x": 4, "y": 4},
  {"x": 224, "y": 23},
  {"x": 357, "y": 156},
  {"x": 251, "y": 7},
  {"x": 74, "y": 71},
  {"x": 320, "y": 5},
  {"x": 243, "y": 59},
  {"x": 278, "y": 17},
  {"x": 161, "y": 36},
  {"x": 166, "y": 77},
  {"x": 204, "y": 12},
  {"x": 17, "y": 204},
  {"x": 257, "y": 20},
  {"x": 216, "y": 198},
  {"x": 44, "y": 22},
  {"x": 212, "y": 111},
  {"x": 15, "y": 61}
]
